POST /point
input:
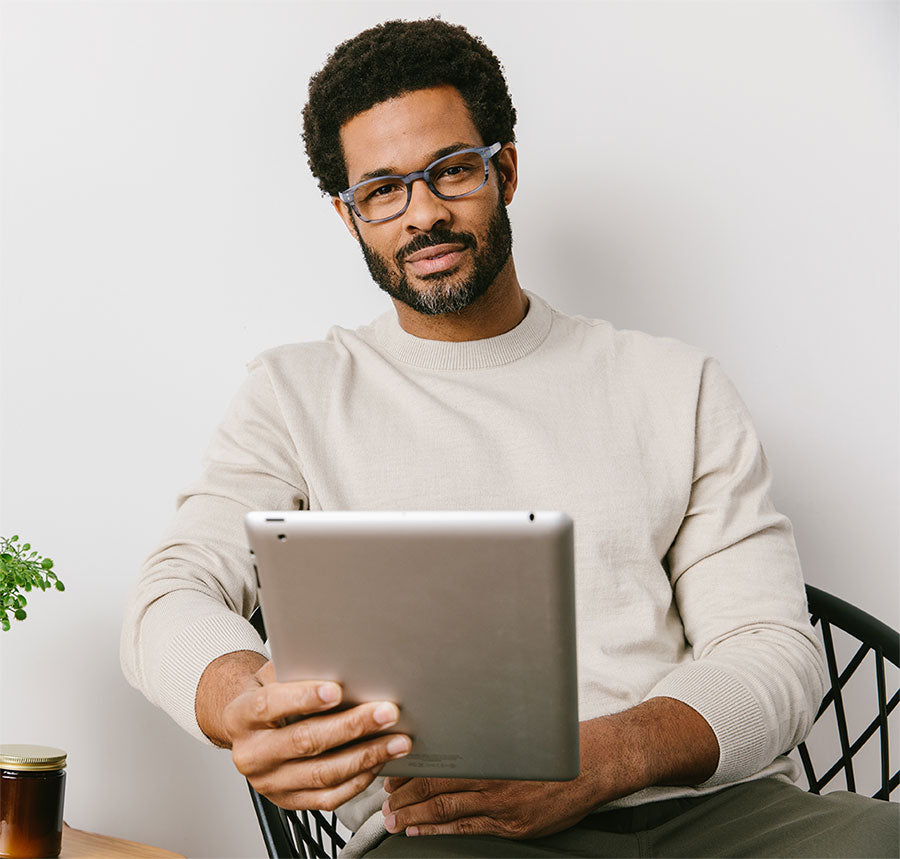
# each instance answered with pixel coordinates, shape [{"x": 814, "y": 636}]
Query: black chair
[
  {"x": 861, "y": 646},
  {"x": 857, "y": 648}
]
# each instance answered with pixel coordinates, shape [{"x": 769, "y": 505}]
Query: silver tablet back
[{"x": 466, "y": 620}]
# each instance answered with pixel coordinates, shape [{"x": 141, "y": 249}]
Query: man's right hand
[{"x": 319, "y": 761}]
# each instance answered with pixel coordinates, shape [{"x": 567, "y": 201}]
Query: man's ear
[
  {"x": 508, "y": 165},
  {"x": 346, "y": 215}
]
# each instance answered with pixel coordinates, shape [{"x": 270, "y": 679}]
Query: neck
[{"x": 499, "y": 310}]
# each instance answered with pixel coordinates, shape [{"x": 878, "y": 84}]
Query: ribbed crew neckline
[{"x": 468, "y": 354}]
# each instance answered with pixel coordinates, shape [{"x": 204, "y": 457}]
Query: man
[{"x": 697, "y": 665}]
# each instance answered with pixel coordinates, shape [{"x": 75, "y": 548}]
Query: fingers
[
  {"x": 411, "y": 791},
  {"x": 316, "y": 735},
  {"x": 430, "y": 801},
  {"x": 393, "y": 782},
  {"x": 327, "y": 799},
  {"x": 436, "y": 810},
  {"x": 508, "y": 809},
  {"x": 266, "y": 706},
  {"x": 293, "y": 748},
  {"x": 333, "y": 769},
  {"x": 260, "y": 750},
  {"x": 321, "y": 760},
  {"x": 462, "y": 826}
]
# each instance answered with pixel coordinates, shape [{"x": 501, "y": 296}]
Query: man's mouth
[{"x": 435, "y": 258}]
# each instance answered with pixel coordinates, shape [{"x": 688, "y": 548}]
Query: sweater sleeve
[
  {"x": 194, "y": 592},
  {"x": 757, "y": 673}
]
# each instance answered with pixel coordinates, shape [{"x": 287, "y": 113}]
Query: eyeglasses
[{"x": 451, "y": 177}]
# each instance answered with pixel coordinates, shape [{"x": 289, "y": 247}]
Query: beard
[{"x": 444, "y": 292}]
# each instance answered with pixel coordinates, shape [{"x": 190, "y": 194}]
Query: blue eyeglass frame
[{"x": 486, "y": 153}]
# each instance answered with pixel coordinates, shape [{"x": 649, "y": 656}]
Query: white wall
[{"x": 725, "y": 173}]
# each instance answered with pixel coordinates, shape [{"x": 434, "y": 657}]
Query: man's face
[{"x": 440, "y": 255}]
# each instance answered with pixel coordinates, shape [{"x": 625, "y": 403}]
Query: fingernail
[
  {"x": 398, "y": 746},
  {"x": 390, "y": 822},
  {"x": 412, "y": 830},
  {"x": 329, "y": 693},
  {"x": 386, "y": 808},
  {"x": 386, "y": 714}
]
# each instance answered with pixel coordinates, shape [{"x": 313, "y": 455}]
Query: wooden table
[{"x": 78, "y": 844}]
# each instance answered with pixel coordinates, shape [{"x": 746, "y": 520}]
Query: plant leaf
[{"x": 20, "y": 570}]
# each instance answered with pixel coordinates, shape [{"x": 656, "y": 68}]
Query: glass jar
[{"x": 32, "y": 789}]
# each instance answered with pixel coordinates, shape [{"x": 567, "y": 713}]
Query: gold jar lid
[{"x": 16, "y": 756}]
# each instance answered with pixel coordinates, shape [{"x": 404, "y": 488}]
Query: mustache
[{"x": 437, "y": 236}]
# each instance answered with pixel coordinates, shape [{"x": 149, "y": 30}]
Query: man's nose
[{"x": 425, "y": 210}]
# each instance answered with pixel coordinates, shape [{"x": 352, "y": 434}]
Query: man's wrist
[{"x": 221, "y": 682}]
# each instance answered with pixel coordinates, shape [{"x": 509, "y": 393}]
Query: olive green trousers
[{"x": 762, "y": 818}]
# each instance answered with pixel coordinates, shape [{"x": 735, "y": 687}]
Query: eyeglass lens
[{"x": 452, "y": 176}]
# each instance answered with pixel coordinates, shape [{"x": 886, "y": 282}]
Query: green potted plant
[{"x": 21, "y": 570}]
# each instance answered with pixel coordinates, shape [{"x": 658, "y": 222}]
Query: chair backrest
[
  {"x": 852, "y": 725},
  {"x": 294, "y": 834},
  {"x": 319, "y": 835}
]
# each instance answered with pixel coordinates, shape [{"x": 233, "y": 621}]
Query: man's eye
[
  {"x": 380, "y": 191},
  {"x": 454, "y": 170}
]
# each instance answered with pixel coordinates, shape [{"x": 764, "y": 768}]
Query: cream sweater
[{"x": 688, "y": 583}]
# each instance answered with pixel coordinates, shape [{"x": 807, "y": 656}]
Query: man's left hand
[
  {"x": 660, "y": 741},
  {"x": 508, "y": 809}
]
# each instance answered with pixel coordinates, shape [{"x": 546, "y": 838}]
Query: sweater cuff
[
  {"x": 731, "y": 711},
  {"x": 187, "y": 656}
]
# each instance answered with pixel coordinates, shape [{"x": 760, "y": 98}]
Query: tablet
[{"x": 466, "y": 620}]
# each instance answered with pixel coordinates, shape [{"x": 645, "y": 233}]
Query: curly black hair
[{"x": 391, "y": 59}]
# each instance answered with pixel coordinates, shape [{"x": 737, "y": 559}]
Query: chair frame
[
  {"x": 827, "y": 611},
  {"x": 316, "y": 836}
]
